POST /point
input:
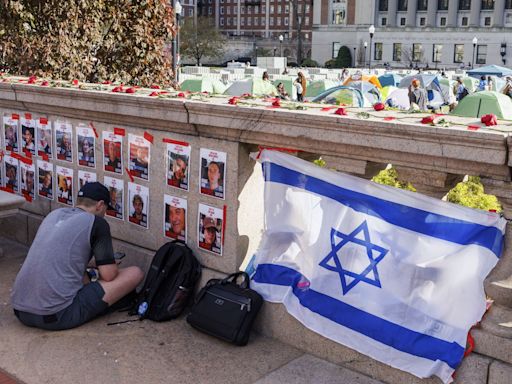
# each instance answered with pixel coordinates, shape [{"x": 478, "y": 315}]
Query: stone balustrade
[{"x": 434, "y": 159}]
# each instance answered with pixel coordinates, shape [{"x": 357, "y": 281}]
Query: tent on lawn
[
  {"x": 288, "y": 86},
  {"x": 319, "y": 86},
  {"x": 341, "y": 95},
  {"x": 390, "y": 79},
  {"x": 386, "y": 91},
  {"x": 431, "y": 84},
  {"x": 490, "y": 70},
  {"x": 470, "y": 83},
  {"x": 481, "y": 103},
  {"x": 204, "y": 85},
  {"x": 399, "y": 98},
  {"x": 253, "y": 86},
  {"x": 358, "y": 76},
  {"x": 369, "y": 91}
]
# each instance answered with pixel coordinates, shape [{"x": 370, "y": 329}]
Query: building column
[
  {"x": 452, "y": 14},
  {"x": 412, "y": 7},
  {"x": 267, "y": 19},
  {"x": 238, "y": 18},
  {"x": 499, "y": 12},
  {"x": 217, "y": 14},
  {"x": 431, "y": 13},
  {"x": 474, "y": 18},
  {"x": 392, "y": 9}
]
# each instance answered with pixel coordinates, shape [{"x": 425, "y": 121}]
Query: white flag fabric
[{"x": 393, "y": 274}]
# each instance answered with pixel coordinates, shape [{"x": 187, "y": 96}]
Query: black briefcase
[{"x": 226, "y": 309}]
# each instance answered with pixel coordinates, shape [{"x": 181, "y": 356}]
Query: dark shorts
[{"x": 86, "y": 305}]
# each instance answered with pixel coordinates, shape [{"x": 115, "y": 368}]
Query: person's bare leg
[{"x": 125, "y": 282}]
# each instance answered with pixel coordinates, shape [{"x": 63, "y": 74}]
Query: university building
[{"x": 425, "y": 33}]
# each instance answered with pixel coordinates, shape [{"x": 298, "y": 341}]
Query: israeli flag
[{"x": 393, "y": 274}]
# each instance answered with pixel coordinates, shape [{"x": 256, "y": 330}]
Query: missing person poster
[
  {"x": 28, "y": 135},
  {"x": 209, "y": 226},
  {"x": 138, "y": 203},
  {"x": 175, "y": 218},
  {"x": 63, "y": 141},
  {"x": 112, "y": 152},
  {"x": 178, "y": 158},
  {"x": 85, "y": 177},
  {"x": 28, "y": 172},
  {"x": 45, "y": 179},
  {"x": 64, "y": 185},
  {"x": 44, "y": 137},
  {"x": 212, "y": 172},
  {"x": 11, "y": 174},
  {"x": 10, "y": 132},
  {"x": 86, "y": 142},
  {"x": 139, "y": 150},
  {"x": 116, "y": 189}
]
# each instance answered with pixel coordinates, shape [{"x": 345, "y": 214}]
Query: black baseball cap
[{"x": 96, "y": 191}]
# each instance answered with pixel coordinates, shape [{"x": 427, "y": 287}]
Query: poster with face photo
[
  {"x": 85, "y": 177},
  {"x": 138, "y": 205},
  {"x": 64, "y": 185},
  {"x": 210, "y": 228},
  {"x": 116, "y": 189},
  {"x": 28, "y": 135},
  {"x": 44, "y": 137},
  {"x": 45, "y": 179},
  {"x": 11, "y": 174},
  {"x": 175, "y": 218},
  {"x": 63, "y": 141},
  {"x": 28, "y": 177},
  {"x": 139, "y": 151},
  {"x": 86, "y": 142},
  {"x": 212, "y": 172},
  {"x": 10, "y": 132},
  {"x": 112, "y": 152},
  {"x": 178, "y": 158}
]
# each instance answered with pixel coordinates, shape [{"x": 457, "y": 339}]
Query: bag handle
[{"x": 234, "y": 276}]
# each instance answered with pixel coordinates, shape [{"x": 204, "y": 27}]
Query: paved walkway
[{"x": 145, "y": 352}]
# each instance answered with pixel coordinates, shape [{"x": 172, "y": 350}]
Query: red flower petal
[
  {"x": 131, "y": 90},
  {"x": 154, "y": 94},
  {"x": 154, "y": 86},
  {"x": 340, "y": 111}
]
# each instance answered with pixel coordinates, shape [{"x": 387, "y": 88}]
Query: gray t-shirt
[{"x": 53, "y": 271}]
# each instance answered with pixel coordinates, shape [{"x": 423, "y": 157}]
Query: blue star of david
[{"x": 370, "y": 248}]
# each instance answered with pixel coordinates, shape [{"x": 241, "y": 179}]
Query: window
[
  {"x": 422, "y": 5},
  {"x": 249, "y": 9},
  {"x": 487, "y": 21},
  {"x": 191, "y": 12},
  {"x": 263, "y": 20},
  {"x": 442, "y": 21},
  {"x": 402, "y": 21},
  {"x": 402, "y": 5},
  {"x": 487, "y": 4},
  {"x": 464, "y": 5},
  {"x": 221, "y": 10},
  {"x": 287, "y": 9},
  {"x": 378, "y": 51},
  {"x": 442, "y": 5},
  {"x": 271, "y": 21},
  {"x": 383, "y": 5},
  {"x": 437, "y": 53},
  {"x": 397, "y": 52},
  {"x": 458, "y": 53},
  {"x": 464, "y": 21},
  {"x": 508, "y": 4},
  {"x": 242, "y": 21},
  {"x": 306, "y": 22},
  {"x": 481, "y": 54},
  {"x": 384, "y": 21},
  {"x": 307, "y": 8},
  {"x": 279, "y": 21},
  {"x": 271, "y": 9},
  {"x": 222, "y": 21},
  {"x": 210, "y": 10},
  {"x": 422, "y": 21},
  {"x": 279, "y": 9},
  {"x": 256, "y": 20},
  {"x": 417, "y": 52},
  {"x": 335, "y": 49},
  {"x": 286, "y": 21}
]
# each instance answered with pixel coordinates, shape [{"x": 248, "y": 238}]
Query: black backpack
[{"x": 169, "y": 284}]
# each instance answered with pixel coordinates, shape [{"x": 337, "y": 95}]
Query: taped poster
[
  {"x": 44, "y": 138},
  {"x": 112, "y": 152},
  {"x": 10, "y": 132},
  {"x": 178, "y": 157},
  {"x": 175, "y": 218},
  {"x": 86, "y": 142},
  {"x": 212, "y": 172},
  {"x": 64, "y": 185},
  {"x": 11, "y": 174},
  {"x": 138, "y": 200},
  {"x": 45, "y": 179},
  {"x": 63, "y": 141},
  {"x": 116, "y": 190},
  {"x": 28, "y": 172},
  {"x": 85, "y": 177},
  {"x": 139, "y": 150},
  {"x": 28, "y": 135},
  {"x": 210, "y": 228}
]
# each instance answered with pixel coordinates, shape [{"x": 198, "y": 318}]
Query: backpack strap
[{"x": 234, "y": 276}]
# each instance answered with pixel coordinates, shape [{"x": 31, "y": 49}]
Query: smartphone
[{"x": 119, "y": 255}]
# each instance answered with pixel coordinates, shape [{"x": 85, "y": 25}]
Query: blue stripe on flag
[
  {"x": 374, "y": 327},
  {"x": 417, "y": 220}
]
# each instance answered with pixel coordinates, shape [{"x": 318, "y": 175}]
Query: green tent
[
  {"x": 204, "y": 85},
  {"x": 253, "y": 86},
  {"x": 481, "y": 103},
  {"x": 470, "y": 83},
  {"x": 288, "y": 84},
  {"x": 317, "y": 87},
  {"x": 386, "y": 91}
]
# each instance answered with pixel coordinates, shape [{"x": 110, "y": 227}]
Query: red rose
[
  {"x": 131, "y": 90},
  {"x": 428, "y": 120},
  {"x": 32, "y": 80},
  {"x": 155, "y": 86},
  {"x": 75, "y": 82},
  {"x": 341, "y": 112},
  {"x": 489, "y": 119},
  {"x": 379, "y": 107},
  {"x": 154, "y": 94},
  {"x": 276, "y": 103},
  {"x": 181, "y": 94},
  {"x": 106, "y": 82},
  {"x": 45, "y": 83},
  {"x": 233, "y": 100},
  {"x": 118, "y": 89}
]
